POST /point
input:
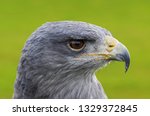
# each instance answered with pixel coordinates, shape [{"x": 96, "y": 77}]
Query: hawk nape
[{"x": 59, "y": 61}]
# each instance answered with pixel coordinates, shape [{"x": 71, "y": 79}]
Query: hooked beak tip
[{"x": 125, "y": 57}]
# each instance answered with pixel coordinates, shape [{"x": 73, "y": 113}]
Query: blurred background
[{"x": 128, "y": 20}]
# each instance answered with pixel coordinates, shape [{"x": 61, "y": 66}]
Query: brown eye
[{"x": 76, "y": 45}]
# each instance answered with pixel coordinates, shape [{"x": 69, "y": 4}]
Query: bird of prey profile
[{"x": 59, "y": 61}]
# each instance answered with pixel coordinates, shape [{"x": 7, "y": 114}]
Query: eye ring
[{"x": 76, "y": 45}]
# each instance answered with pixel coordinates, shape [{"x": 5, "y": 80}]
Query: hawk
[{"x": 59, "y": 61}]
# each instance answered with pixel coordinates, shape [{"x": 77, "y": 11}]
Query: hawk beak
[
  {"x": 117, "y": 51},
  {"x": 120, "y": 53}
]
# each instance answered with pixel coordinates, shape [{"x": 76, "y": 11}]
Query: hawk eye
[{"x": 76, "y": 45}]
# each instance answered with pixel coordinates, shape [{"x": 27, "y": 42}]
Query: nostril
[{"x": 111, "y": 45}]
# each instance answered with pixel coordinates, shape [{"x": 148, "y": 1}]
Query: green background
[{"x": 128, "y": 20}]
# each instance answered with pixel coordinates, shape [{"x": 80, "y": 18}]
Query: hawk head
[{"x": 60, "y": 58}]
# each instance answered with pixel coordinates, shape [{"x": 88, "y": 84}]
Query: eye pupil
[{"x": 76, "y": 44}]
